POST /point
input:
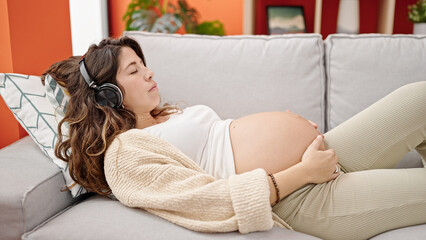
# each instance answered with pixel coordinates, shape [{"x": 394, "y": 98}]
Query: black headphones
[{"x": 108, "y": 94}]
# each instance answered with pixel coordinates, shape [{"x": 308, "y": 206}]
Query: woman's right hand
[{"x": 320, "y": 165}]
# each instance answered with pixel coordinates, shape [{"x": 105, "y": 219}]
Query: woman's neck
[{"x": 146, "y": 120}]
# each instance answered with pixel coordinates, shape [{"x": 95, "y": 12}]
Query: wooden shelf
[{"x": 376, "y": 16}]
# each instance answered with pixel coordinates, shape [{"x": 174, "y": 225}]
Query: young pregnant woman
[{"x": 208, "y": 174}]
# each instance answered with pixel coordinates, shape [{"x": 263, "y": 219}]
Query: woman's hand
[{"x": 320, "y": 165}]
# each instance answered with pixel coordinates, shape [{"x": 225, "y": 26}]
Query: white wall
[{"x": 89, "y": 23}]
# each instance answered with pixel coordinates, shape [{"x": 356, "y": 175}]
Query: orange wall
[
  {"x": 229, "y": 12},
  {"x": 40, "y": 34},
  {"x": 34, "y": 34},
  {"x": 9, "y": 129},
  {"x": 116, "y": 10},
  {"x": 5, "y": 51}
]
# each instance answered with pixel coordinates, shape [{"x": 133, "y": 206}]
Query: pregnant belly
[{"x": 273, "y": 141}]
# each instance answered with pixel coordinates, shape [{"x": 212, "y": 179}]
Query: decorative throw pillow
[
  {"x": 26, "y": 98},
  {"x": 57, "y": 95},
  {"x": 58, "y": 98}
]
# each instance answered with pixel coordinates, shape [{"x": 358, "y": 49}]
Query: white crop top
[{"x": 201, "y": 135}]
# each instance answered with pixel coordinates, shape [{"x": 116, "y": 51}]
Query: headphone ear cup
[{"x": 109, "y": 95}]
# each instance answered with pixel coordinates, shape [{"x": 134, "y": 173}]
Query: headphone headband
[{"x": 86, "y": 75}]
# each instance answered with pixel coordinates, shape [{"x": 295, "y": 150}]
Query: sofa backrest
[
  {"x": 239, "y": 75},
  {"x": 361, "y": 69},
  {"x": 324, "y": 81}
]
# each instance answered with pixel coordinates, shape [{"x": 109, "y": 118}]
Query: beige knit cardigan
[{"x": 144, "y": 171}]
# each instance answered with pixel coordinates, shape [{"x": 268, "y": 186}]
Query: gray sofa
[{"x": 324, "y": 81}]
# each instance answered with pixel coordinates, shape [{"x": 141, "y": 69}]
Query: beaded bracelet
[{"x": 276, "y": 189}]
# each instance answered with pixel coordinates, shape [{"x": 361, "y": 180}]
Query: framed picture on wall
[{"x": 285, "y": 19}]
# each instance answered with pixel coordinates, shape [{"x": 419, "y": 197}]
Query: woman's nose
[{"x": 148, "y": 75}]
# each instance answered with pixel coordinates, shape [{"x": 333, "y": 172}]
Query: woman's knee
[
  {"x": 415, "y": 89},
  {"x": 421, "y": 85}
]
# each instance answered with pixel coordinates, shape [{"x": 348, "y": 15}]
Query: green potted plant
[
  {"x": 165, "y": 17},
  {"x": 417, "y": 14}
]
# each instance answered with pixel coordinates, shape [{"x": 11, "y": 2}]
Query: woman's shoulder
[{"x": 198, "y": 107}]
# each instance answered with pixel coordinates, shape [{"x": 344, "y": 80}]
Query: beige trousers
[{"x": 369, "y": 197}]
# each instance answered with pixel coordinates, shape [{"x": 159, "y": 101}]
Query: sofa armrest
[{"x": 30, "y": 186}]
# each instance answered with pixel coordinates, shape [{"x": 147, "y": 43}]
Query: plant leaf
[
  {"x": 167, "y": 23},
  {"x": 143, "y": 20}
]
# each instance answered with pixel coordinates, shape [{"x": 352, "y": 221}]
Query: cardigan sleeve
[{"x": 146, "y": 172}]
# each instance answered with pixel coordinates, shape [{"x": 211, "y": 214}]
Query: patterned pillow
[
  {"x": 26, "y": 98},
  {"x": 57, "y": 95},
  {"x": 58, "y": 98}
]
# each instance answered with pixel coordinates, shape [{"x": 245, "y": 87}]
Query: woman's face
[{"x": 140, "y": 91}]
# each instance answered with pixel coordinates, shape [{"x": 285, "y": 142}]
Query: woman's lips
[{"x": 153, "y": 88}]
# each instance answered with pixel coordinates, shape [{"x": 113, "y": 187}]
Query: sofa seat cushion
[
  {"x": 239, "y": 75},
  {"x": 29, "y": 188},
  {"x": 102, "y": 218},
  {"x": 361, "y": 69},
  {"x": 417, "y": 232}
]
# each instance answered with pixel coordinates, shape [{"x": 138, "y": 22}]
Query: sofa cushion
[
  {"x": 361, "y": 69},
  {"x": 26, "y": 98},
  {"x": 102, "y": 218},
  {"x": 417, "y": 232},
  {"x": 58, "y": 97},
  {"x": 30, "y": 187},
  {"x": 239, "y": 75}
]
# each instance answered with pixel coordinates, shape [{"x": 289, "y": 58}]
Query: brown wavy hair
[{"x": 93, "y": 127}]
